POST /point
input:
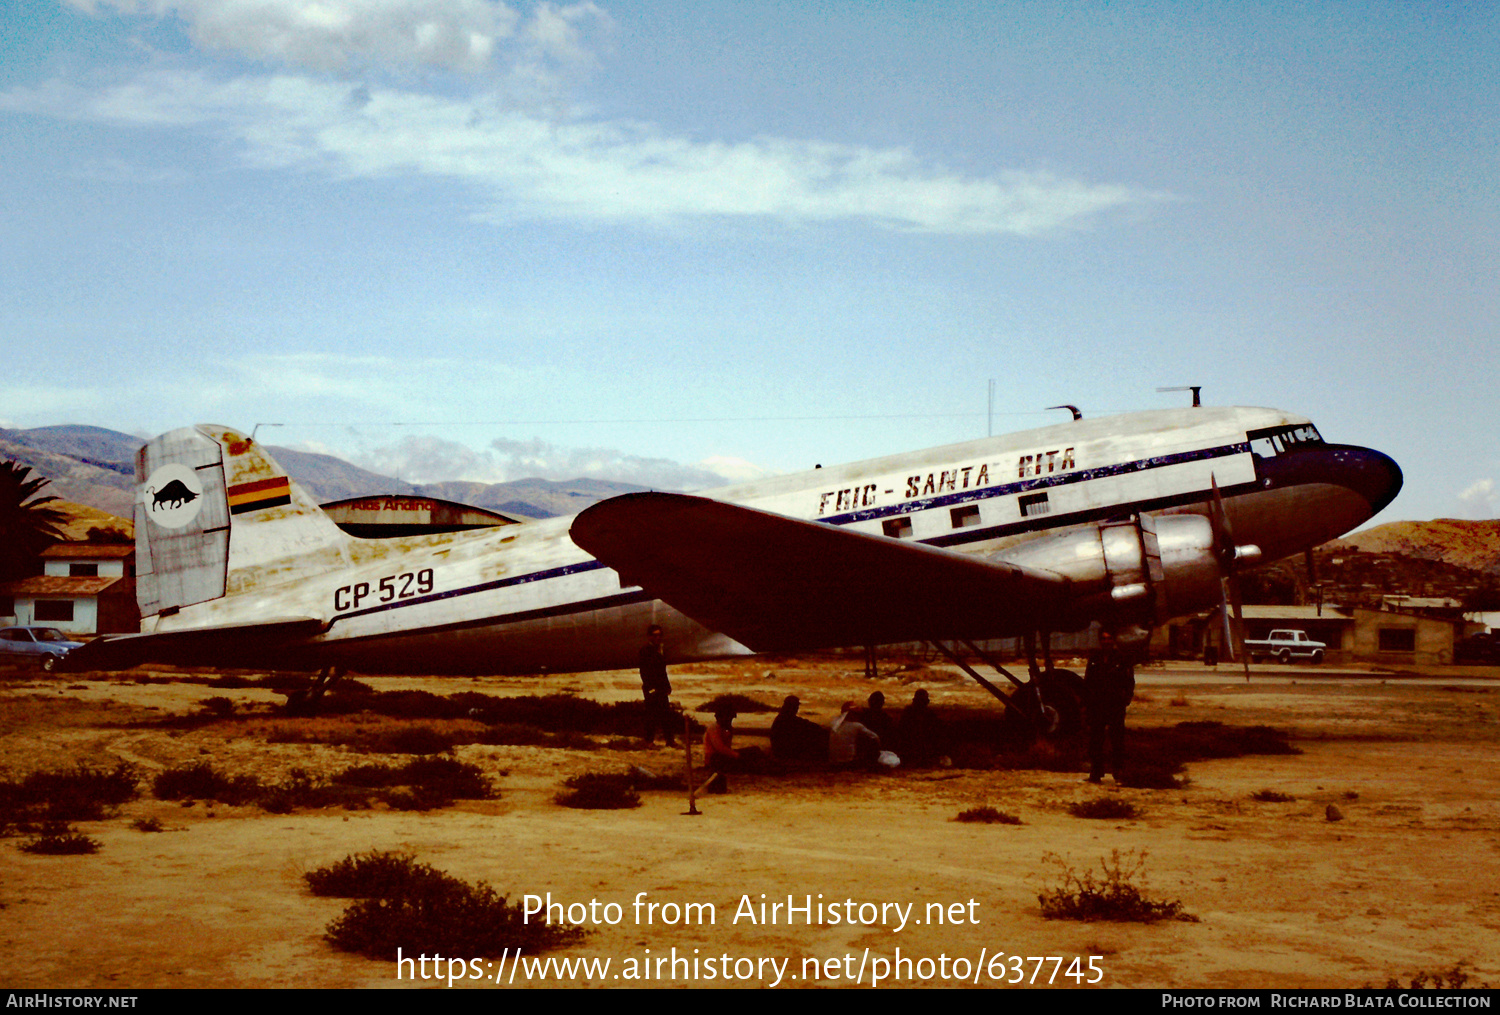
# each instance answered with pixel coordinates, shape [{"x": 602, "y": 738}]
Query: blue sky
[{"x": 667, "y": 242}]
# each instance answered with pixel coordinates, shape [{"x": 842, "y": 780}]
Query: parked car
[
  {"x": 1483, "y": 649},
  {"x": 1286, "y": 645},
  {"x": 36, "y": 646}
]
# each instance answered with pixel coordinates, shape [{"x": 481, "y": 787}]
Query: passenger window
[
  {"x": 965, "y": 517},
  {"x": 897, "y": 528},
  {"x": 1034, "y": 504}
]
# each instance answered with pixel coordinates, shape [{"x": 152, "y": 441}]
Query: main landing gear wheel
[{"x": 1062, "y": 696}]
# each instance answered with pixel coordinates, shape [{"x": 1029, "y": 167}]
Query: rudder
[{"x": 215, "y": 516}]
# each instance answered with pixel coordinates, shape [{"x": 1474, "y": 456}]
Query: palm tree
[{"x": 27, "y": 526}]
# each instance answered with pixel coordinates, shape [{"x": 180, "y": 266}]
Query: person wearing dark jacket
[
  {"x": 795, "y": 739},
  {"x": 1108, "y": 687},
  {"x": 656, "y": 688}
]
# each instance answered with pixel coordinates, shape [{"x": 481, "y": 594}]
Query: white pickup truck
[{"x": 1284, "y": 646}]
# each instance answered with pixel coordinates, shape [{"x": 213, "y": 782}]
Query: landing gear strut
[
  {"x": 305, "y": 701},
  {"x": 1049, "y": 702}
]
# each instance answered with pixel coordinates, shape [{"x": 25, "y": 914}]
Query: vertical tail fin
[{"x": 216, "y": 516}]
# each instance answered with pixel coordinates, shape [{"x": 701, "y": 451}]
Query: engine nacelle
[{"x": 1144, "y": 570}]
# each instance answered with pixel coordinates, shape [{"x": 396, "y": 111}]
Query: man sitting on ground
[
  {"x": 795, "y": 739},
  {"x": 850, "y": 743},
  {"x": 720, "y": 754}
]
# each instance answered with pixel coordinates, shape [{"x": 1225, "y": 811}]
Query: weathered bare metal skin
[{"x": 1112, "y": 510}]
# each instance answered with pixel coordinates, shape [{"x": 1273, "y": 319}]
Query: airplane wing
[
  {"x": 779, "y": 584},
  {"x": 260, "y": 643}
]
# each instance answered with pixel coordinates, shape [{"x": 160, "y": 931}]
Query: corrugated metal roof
[
  {"x": 101, "y": 551},
  {"x": 57, "y": 585},
  {"x": 1296, "y": 613}
]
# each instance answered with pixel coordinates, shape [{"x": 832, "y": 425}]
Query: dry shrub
[
  {"x": 416, "y": 909},
  {"x": 420, "y": 784},
  {"x": 416, "y": 799},
  {"x": 218, "y": 705},
  {"x": 300, "y": 789},
  {"x": 1456, "y": 978},
  {"x": 409, "y": 740},
  {"x": 600, "y": 791},
  {"x": 1106, "y": 808},
  {"x": 1155, "y": 758},
  {"x": 987, "y": 815},
  {"x": 511, "y": 734},
  {"x": 1111, "y": 895},
  {"x": 741, "y": 703},
  {"x": 1146, "y": 776},
  {"x": 559, "y": 712},
  {"x": 81, "y": 793},
  {"x": 472, "y": 921},
  {"x": 203, "y": 782},
  {"x": 1271, "y": 796},
  {"x": 378, "y": 875},
  {"x": 437, "y": 776},
  {"x": 58, "y": 839}
]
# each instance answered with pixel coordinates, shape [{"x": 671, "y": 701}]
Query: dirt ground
[{"x": 1407, "y": 881}]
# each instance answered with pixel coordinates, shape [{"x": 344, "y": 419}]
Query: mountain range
[
  {"x": 95, "y": 467},
  {"x": 1459, "y": 541}
]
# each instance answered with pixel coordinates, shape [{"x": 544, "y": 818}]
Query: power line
[{"x": 684, "y": 419}]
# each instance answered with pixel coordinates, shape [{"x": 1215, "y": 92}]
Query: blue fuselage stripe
[
  {"x": 499, "y": 583},
  {"x": 1036, "y": 483}
]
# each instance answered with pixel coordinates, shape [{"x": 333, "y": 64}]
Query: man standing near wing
[{"x": 656, "y": 688}]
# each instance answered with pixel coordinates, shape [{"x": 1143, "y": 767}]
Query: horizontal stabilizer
[
  {"x": 780, "y": 584},
  {"x": 228, "y": 646}
]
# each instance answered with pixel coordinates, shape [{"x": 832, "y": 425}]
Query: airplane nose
[{"x": 1374, "y": 476}]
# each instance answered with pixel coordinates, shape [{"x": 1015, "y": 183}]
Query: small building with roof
[
  {"x": 1354, "y": 634},
  {"x": 85, "y": 588}
]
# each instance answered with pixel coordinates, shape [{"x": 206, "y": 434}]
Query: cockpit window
[{"x": 1278, "y": 440}]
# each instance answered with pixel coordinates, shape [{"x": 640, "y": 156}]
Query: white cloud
[
  {"x": 427, "y": 459},
  {"x": 734, "y": 470},
  {"x": 430, "y": 459},
  {"x": 578, "y": 169},
  {"x": 468, "y": 36},
  {"x": 1481, "y": 499}
]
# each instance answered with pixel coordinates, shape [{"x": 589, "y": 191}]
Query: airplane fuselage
[{"x": 525, "y": 598}]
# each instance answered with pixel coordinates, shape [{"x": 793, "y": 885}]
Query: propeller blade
[{"x": 1225, "y": 552}]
